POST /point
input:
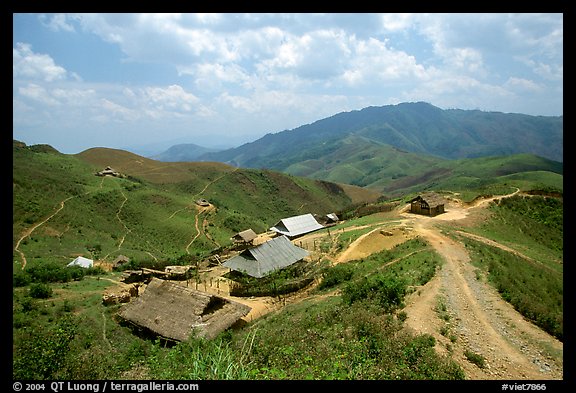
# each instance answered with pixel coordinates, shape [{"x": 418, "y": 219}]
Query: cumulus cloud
[
  {"x": 289, "y": 69},
  {"x": 27, "y": 64}
]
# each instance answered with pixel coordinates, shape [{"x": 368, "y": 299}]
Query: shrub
[
  {"x": 336, "y": 275},
  {"x": 475, "y": 358},
  {"x": 387, "y": 292},
  {"x": 40, "y": 291}
]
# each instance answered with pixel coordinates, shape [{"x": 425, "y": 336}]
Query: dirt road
[{"x": 476, "y": 318}]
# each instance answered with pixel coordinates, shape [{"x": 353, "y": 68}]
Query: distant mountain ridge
[
  {"x": 413, "y": 127},
  {"x": 183, "y": 152}
]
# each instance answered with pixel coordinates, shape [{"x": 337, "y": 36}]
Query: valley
[{"x": 453, "y": 305}]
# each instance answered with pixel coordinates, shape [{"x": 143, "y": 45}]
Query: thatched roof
[
  {"x": 177, "y": 312},
  {"x": 246, "y": 236},
  {"x": 431, "y": 198}
]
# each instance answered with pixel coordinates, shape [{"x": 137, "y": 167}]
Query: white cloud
[
  {"x": 57, "y": 22},
  {"x": 522, "y": 85},
  {"x": 27, "y": 64},
  {"x": 38, "y": 93}
]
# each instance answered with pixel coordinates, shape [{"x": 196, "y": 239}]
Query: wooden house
[{"x": 429, "y": 204}]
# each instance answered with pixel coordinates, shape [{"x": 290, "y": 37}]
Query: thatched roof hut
[
  {"x": 176, "y": 312},
  {"x": 246, "y": 236},
  {"x": 428, "y": 203}
]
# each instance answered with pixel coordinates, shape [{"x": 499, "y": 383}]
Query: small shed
[
  {"x": 429, "y": 204},
  {"x": 245, "y": 237},
  {"x": 119, "y": 261},
  {"x": 176, "y": 312},
  {"x": 82, "y": 262}
]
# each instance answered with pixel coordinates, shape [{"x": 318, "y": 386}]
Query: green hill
[
  {"x": 415, "y": 127},
  {"x": 150, "y": 212}
]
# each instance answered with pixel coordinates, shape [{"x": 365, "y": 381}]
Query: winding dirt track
[{"x": 479, "y": 319}]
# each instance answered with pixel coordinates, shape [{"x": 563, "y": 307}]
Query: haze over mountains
[
  {"x": 415, "y": 127},
  {"x": 391, "y": 147}
]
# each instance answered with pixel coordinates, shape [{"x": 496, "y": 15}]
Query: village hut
[
  {"x": 430, "y": 204},
  {"x": 297, "y": 225},
  {"x": 82, "y": 262},
  {"x": 263, "y": 259},
  {"x": 245, "y": 237},
  {"x": 176, "y": 312},
  {"x": 119, "y": 261},
  {"x": 202, "y": 202},
  {"x": 108, "y": 171}
]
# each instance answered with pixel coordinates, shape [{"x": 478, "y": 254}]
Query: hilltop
[
  {"x": 381, "y": 147},
  {"x": 150, "y": 212}
]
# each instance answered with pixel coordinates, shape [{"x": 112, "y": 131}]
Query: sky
[{"x": 144, "y": 82}]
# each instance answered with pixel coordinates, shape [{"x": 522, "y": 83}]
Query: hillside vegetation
[
  {"x": 150, "y": 214},
  {"x": 351, "y": 323},
  {"x": 371, "y": 147}
]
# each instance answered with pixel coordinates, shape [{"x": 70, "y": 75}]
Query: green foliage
[
  {"x": 336, "y": 275},
  {"x": 349, "y": 342},
  {"x": 40, "y": 291},
  {"x": 198, "y": 359},
  {"x": 475, "y": 358},
  {"x": 43, "y": 353},
  {"x": 387, "y": 292},
  {"x": 533, "y": 290}
]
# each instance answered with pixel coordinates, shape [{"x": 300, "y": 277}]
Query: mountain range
[
  {"x": 392, "y": 148},
  {"x": 413, "y": 127}
]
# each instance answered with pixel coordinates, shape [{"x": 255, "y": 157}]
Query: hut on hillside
[
  {"x": 244, "y": 238},
  {"x": 176, "y": 312},
  {"x": 202, "y": 202},
  {"x": 263, "y": 259},
  {"x": 297, "y": 225},
  {"x": 108, "y": 171},
  {"x": 429, "y": 204},
  {"x": 119, "y": 261}
]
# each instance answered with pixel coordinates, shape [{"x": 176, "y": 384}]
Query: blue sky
[{"x": 144, "y": 82}]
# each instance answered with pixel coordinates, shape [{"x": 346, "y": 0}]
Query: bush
[
  {"x": 40, "y": 291},
  {"x": 336, "y": 275},
  {"x": 387, "y": 292}
]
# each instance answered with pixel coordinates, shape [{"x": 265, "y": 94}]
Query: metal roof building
[
  {"x": 297, "y": 225},
  {"x": 261, "y": 260},
  {"x": 82, "y": 262}
]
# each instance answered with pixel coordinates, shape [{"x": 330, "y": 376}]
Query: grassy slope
[
  {"x": 151, "y": 213},
  {"x": 350, "y": 340}
]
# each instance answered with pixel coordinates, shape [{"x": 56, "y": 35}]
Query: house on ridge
[
  {"x": 429, "y": 204},
  {"x": 297, "y": 225}
]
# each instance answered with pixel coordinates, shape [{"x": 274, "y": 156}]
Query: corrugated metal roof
[
  {"x": 261, "y": 260},
  {"x": 297, "y": 225},
  {"x": 82, "y": 262}
]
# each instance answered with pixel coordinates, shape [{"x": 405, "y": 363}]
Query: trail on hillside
[
  {"x": 202, "y": 210},
  {"x": 29, "y": 231},
  {"x": 481, "y": 321}
]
